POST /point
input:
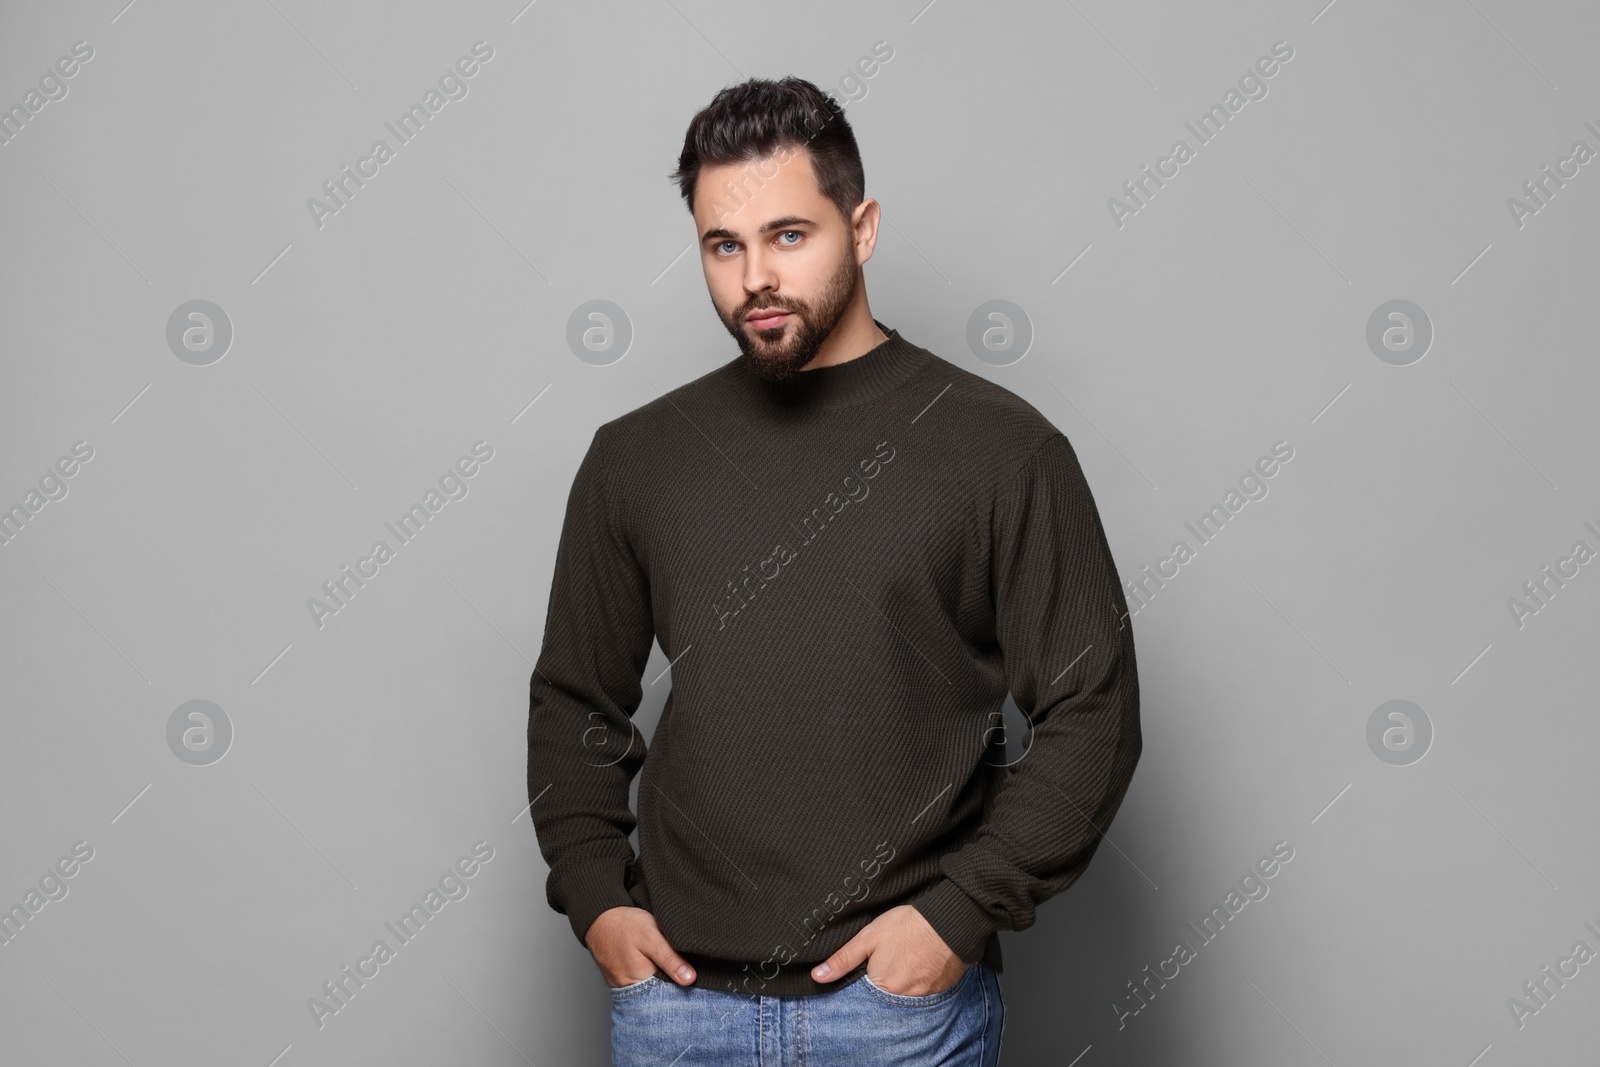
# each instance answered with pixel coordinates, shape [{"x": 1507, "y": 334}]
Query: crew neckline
[{"x": 876, "y": 371}]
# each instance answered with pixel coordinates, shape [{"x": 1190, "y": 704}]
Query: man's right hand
[{"x": 628, "y": 945}]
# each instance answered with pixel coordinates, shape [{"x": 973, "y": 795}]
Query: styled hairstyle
[{"x": 753, "y": 119}]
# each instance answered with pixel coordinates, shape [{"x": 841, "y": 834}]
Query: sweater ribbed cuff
[
  {"x": 591, "y": 886},
  {"x": 956, "y": 917}
]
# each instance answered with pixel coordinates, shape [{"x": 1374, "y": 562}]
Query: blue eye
[{"x": 797, "y": 233}]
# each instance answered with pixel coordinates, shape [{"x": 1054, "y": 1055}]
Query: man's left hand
[{"x": 904, "y": 954}]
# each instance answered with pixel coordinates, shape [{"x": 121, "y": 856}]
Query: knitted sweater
[{"x": 846, "y": 572}]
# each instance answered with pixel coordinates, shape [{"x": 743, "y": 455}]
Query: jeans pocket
[
  {"x": 924, "y": 1001},
  {"x": 634, "y": 988}
]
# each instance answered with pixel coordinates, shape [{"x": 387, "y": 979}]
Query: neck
[
  {"x": 855, "y": 336},
  {"x": 887, "y": 365}
]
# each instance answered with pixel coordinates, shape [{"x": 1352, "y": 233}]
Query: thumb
[
  {"x": 667, "y": 957},
  {"x": 844, "y": 959}
]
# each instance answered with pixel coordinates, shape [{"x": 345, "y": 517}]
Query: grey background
[{"x": 368, "y": 355}]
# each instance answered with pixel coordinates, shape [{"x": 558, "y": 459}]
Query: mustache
[{"x": 791, "y": 306}]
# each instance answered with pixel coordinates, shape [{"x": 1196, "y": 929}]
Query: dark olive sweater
[{"x": 846, "y": 573}]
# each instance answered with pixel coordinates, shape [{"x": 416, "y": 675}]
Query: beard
[{"x": 778, "y": 354}]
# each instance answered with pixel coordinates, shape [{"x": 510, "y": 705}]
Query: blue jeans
[{"x": 661, "y": 1023}]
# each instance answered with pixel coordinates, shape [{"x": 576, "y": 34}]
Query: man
[{"x": 849, "y": 551}]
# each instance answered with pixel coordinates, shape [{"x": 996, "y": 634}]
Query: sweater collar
[{"x": 871, "y": 374}]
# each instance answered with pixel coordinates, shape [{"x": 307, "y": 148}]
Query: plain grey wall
[{"x": 1241, "y": 304}]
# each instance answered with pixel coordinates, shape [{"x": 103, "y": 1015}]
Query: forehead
[{"x": 741, "y": 196}]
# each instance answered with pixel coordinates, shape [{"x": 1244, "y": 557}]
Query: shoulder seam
[
  {"x": 1010, "y": 480},
  {"x": 605, "y": 482}
]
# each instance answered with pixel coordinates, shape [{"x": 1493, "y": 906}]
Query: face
[{"x": 781, "y": 263}]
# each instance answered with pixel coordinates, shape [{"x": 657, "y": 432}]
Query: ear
[{"x": 864, "y": 228}]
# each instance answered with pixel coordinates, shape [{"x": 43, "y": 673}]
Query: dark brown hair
[{"x": 755, "y": 118}]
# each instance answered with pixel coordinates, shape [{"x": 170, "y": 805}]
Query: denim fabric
[{"x": 661, "y": 1023}]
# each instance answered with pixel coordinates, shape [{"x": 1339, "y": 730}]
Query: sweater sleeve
[
  {"x": 583, "y": 749},
  {"x": 1061, "y": 623}
]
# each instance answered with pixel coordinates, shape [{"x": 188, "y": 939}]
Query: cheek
[
  {"x": 807, "y": 277},
  {"x": 722, "y": 284}
]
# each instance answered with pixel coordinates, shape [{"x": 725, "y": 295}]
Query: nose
[{"x": 759, "y": 275}]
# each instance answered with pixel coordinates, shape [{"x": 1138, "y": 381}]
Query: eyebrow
[{"x": 788, "y": 222}]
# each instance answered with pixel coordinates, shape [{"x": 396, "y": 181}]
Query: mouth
[{"x": 767, "y": 318}]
